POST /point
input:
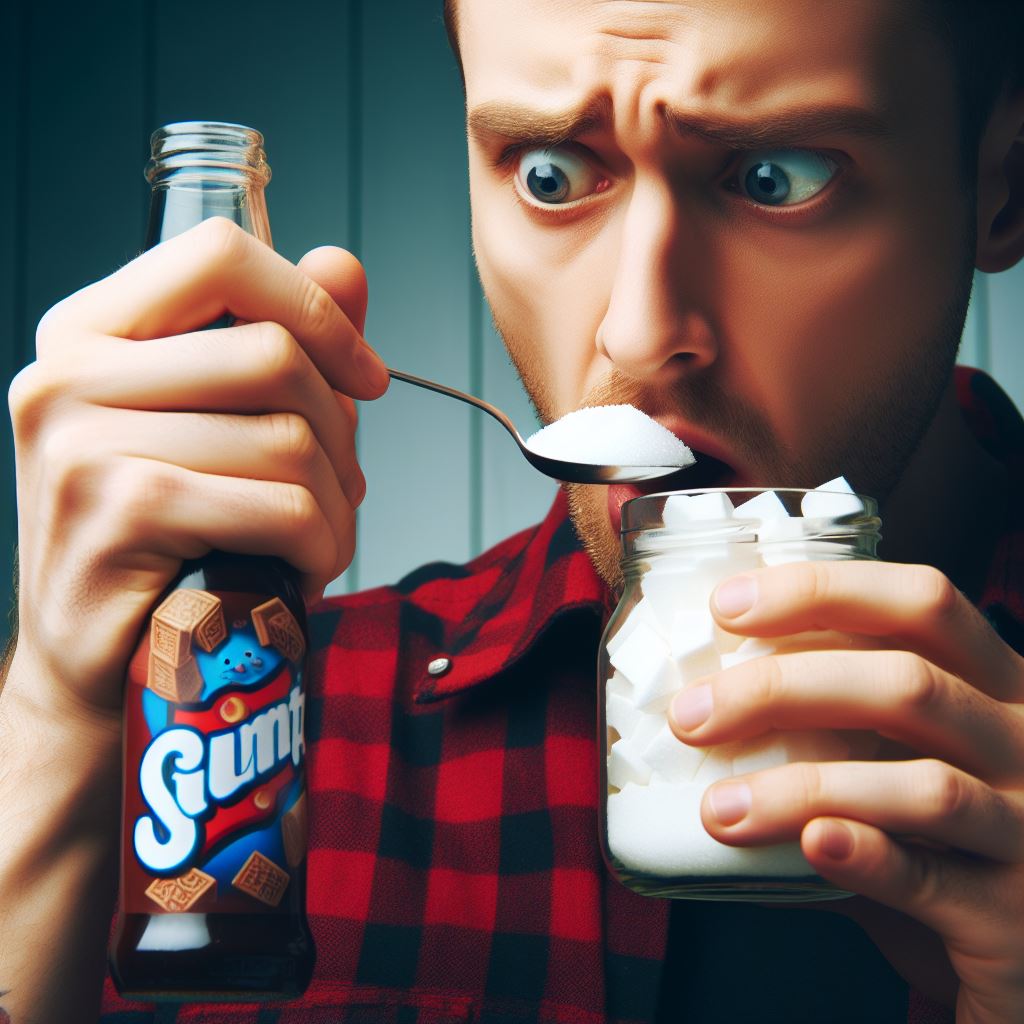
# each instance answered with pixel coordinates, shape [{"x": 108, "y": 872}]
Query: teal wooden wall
[{"x": 361, "y": 107}]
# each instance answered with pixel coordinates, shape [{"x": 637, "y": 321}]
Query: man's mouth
[{"x": 706, "y": 472}]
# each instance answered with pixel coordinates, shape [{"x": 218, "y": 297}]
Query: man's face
[{"x": 746, "y": 219}]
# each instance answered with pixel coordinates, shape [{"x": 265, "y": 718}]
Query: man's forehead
[{"x": 722, "y": 54}]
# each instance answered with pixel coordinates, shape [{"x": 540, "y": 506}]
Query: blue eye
[
  {"x": 784, "y": 177},
  {"x": 555, "y": 176}
]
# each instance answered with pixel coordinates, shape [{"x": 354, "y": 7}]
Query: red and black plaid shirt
[{"x": 454, "y": 870}]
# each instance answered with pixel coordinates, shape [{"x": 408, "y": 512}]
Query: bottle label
[{"x": 214, "y": 802}]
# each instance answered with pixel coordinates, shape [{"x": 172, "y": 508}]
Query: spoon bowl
[{"x": 559, "y": 469}]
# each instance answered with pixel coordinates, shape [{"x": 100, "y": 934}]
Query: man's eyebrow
[
  {"x": 544, "y": 127},
  {"x": 775, "y": 128},
  {"x": 782, "y": 127}
]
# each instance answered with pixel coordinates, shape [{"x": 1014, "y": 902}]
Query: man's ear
[{"x": 1001, "y": 186}]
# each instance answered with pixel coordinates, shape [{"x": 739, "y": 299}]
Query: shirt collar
[{"x": 504, "y": 601}]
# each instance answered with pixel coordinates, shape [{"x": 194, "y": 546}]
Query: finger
[
  {"x": 914, "y": 605},
  {"x": 341, "y": 275},
  {"x": 252, "y": 368},
  {"x": 161, "y": 509},
  {"x": 895, "y": 693},
  {"x": 941, "y": 890},
  {"x": 276, "y": 446},
  {"x": 216, "y": 269},
  {"x": 924, "y": 798}
]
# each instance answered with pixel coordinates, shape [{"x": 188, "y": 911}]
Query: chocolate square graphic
[{"x": 262, "y": 879}]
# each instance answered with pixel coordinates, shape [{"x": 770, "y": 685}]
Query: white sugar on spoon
[
  {"x": 611, "y": 435},
  {"x": 586, "y": 452}
]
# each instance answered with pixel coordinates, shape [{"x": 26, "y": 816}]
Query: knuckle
[
  {"x": 318, "y": 310},
  {"x": 941, "y": 789},
  {"x": 220, "y": 241},
  {"x": 768, "y": 682},
  {"x": 50, "y": 326},
  {"x": 141, "y": 491},
  {"x": 300, "y": 510},
  {"x": 932, "y": 591},
  {"x": 915, "y": 680},
  {"x": 28, "y": 395},
  {"x": 805, "y": 783},
  {"x": 284, "y": 363},
  {"x": 293, "y": 440},
  {"x": 62, "y": 453},
  {"x": 811, "y": 583}
]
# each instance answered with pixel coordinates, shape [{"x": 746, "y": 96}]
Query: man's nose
[{"x": 657, "y": 324}]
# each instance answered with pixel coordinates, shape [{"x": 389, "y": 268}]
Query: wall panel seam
[
  {"x": 355, "y": 193},
  {"x": 22, "y": 347}
]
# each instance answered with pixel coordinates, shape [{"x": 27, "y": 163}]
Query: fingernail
[
  {"x": 736, "y": 596},
  {"x": 730, "y": 802},
  {"x": 836, "y": 840},
  {"x": 375, "y": 373},
  {"x": 692, "y": 707}
]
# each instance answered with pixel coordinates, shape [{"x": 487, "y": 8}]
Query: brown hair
[{"x": 984, "y": 39}]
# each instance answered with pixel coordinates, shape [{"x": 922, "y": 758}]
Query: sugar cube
[
  {"x": 671, "y": 759},
  {"x": 831, "y": 500},
  {"x": 625, "y": 764},
  {"x": 764, "y": 506},
  {"x": 645, "y": 660},
  {"x": 682, "y": 509}
]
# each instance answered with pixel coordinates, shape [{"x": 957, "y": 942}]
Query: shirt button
[{"x": 439, "y": 666}]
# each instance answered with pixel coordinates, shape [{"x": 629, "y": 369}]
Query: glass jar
[{"x": 676, "y": 548}]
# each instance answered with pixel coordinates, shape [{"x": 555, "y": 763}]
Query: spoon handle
[{"x": 477, "y": 403}]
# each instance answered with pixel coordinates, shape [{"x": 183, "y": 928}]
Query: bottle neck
[
  {"x": 176, "y": 206},
  {"x": 203, "y": 169}
]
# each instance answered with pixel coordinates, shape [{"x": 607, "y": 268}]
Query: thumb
[{"x": 342, "y": 276}]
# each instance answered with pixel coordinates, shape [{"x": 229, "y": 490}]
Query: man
[{"x": 756, "y": 222}]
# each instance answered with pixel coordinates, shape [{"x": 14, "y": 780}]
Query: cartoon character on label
[{"x": 222, "y": 763}]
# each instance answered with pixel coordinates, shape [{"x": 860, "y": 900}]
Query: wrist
[{"x": 35, "y": 709}]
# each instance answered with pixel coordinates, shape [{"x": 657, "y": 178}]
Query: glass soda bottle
[{"x": 213, "y": 837}]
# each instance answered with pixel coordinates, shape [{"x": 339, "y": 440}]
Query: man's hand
[
  {"x": 143, "y": 440},
  {"x": 936, "y": 832}
]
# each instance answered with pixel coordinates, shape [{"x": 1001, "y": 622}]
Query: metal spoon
[{"x": 574, "y": 472}]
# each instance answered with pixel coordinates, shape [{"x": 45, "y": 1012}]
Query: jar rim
[{"x": 637, "y": 513}]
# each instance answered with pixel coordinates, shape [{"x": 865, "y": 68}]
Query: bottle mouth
[{"x": 207, "y": 147}]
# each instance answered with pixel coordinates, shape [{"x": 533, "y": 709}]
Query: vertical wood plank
[
  {"x": 1006, "y": 330},
  {"x": 415, "y": 446},
  {"x": 13, "y": 127},
  {"x": 348, "y": 581},
  {"x": 85, "y": 147},
  {"x": 515, "y": 495}
]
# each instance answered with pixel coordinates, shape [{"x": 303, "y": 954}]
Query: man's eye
[
  {"x": 784, "y": 177},
  {"x": 555, "y": 176}
]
